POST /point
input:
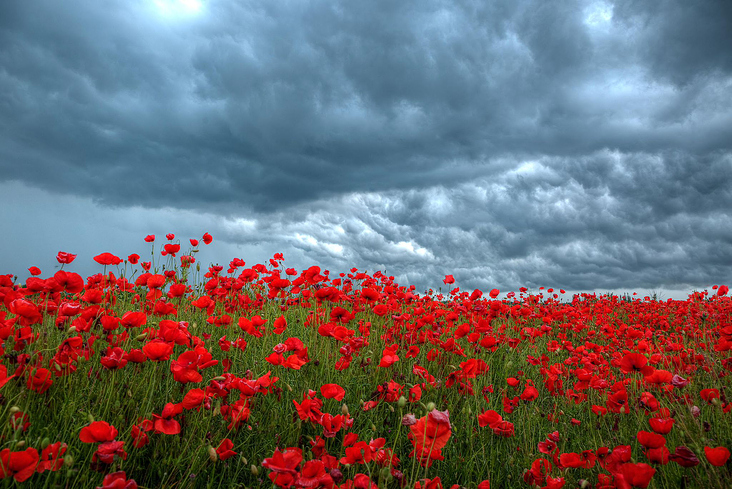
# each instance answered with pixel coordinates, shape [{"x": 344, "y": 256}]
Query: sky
[{"x": 583, "y": 145}]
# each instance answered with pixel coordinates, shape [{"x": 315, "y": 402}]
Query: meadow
[{"x": 170, "y": 373}]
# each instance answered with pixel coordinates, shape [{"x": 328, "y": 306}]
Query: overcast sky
[{"x": 585, "y": 145}]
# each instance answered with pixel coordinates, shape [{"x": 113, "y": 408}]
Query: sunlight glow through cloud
[{"x": 178, "y": 8}]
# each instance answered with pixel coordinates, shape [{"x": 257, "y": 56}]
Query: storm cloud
[{"x": 581, "y": 144}]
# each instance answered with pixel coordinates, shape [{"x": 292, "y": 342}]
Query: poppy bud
[
  {"x": 373, "y": 427},
  {"x": 68, "y": 460},
  {"x": 14, "y": 409},
  {"x": 72, "y": 330},
  {"x": 254, "y": 470},
  {"x": 129, "y": 393},
  {"x": 402, "y": 402},
  {"x": 45, "y": 442},
  {"x": 220, "y": 378},
  {"x": 391, "y": 408},
  {"x": 336, "y": 475},
  {"x": 141, "y": 337},
  {"x": 344, "y": 409},
  {"x": 409, "y": 419},
  {"x": 90, "y": 417},
  {"x": 430, "y": 407},
  {"x": 584, "y": 484},
  {"x": 289, "y": 387},
  {"x": 716, "y": 401},
  {"x": 20, "y": 444},
  {"x": 244, "y": 460},
  {"x": 212, "y": 455},
  {"x": 385, "y": 473}
]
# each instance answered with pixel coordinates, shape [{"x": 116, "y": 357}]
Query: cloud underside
[{"x": 512, "y": 144}]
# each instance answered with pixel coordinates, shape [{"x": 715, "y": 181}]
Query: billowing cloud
[{"x": 584, "y": 146}]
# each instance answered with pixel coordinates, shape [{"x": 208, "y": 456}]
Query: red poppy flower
[
  {"x": 435, "y": 483},
  {"x": 40, "y": 381},
  {"x": 314, "y": 474},
  {"x": 637, "y": 475},
  {"x": 530, "y": 393},
  {"x": 69, "y": 281},
  {"x": 118, "y": 480},
  {"x": 449, "y": 279},
  {"x": 283, "y": 466},
  {"x": 717, "y": 456},
  {"x": 34, "y": 271},
  {"x": 635, "y": 362},
  {"x": 207, "y": 238},
  {"x": 155, "y": 281},
  {"x": 52, "y": 457},
  {"x": 489, "y": 418},
  {"x": 133, "y": 319},
  {"x": 170, "y": 249},
  {"x": 658, "y": 455},
  {"x": 98, "y": 431},
  {"x": 134, "y": 258},
  {"x": 107, "y": 259},
  {"x": 139, "y": 437},
  {"x": 106, "y": 451},
  {"x": 360, "y": 453},
  {"x": 709, "y": 395},
  {"x": 661, "y": 426},
  {"x": 19, "y": 465},
  {"x": 136, "y": 356},
  {"x": 150, "y": 238},
  {"x": 722, "y": 290},
  {"x": 494, "y": 293},
  {"x": 333, "y": 391},
  {"x": 164, "y": 422},
  {"x": 280, "y": 324},
  {"x": 158, "y": 350},
  {"x": 224, "y": 450},
  {"x": 193, "y": 398},
  {"x": 4, "y": 378},
  {"x": 684, "y": 457},
  {"x": 540, "y": 468},
  {"x": 650, "y": 440},
  {"x": 65, "y": 258},
  {"x": 429, "y": 436},
  {"x": 389, "y": 356}
]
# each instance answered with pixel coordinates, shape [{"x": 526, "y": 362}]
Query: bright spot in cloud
[
  {"x": 526, "y": 168},
  {"x": 178, "y": 8},
  {"x": 306, "y": 239},
  {"x": 417, "y": 250},
  {"x": 598, "y": 14},
  {"x": 334, "y": 248}
]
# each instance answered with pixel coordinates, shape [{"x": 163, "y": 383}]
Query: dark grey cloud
[{"x": 582, "y": 144}]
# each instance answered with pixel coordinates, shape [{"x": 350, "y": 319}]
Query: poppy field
[{"x": 169, "y": 373}]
